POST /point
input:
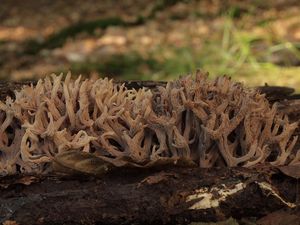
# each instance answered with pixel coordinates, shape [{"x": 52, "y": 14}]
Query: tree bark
[{"x": 150, "y": 196}]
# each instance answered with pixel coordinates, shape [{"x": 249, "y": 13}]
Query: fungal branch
[{"x": 192, "y": 120}]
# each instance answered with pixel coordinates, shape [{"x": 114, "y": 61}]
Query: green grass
[
  {"x": 232, "y": 51},
  {"x": 233, "y": 55},
  {"x": 157, "y": 66},
  {"x": 170, "y": 63}
]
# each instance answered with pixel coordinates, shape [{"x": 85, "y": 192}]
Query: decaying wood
[
  {"x": 148, "y": 197},
  {"x": 161, "y": 195}
]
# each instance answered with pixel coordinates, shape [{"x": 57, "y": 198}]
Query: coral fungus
[{"x": 192, "y": 120}]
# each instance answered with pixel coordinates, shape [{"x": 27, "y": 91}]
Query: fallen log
[
  {"x": 169, "y": 196},
  {"x": 151, "y": 196}
]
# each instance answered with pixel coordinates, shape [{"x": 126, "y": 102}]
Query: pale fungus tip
[{"x": 194, "y": 121}]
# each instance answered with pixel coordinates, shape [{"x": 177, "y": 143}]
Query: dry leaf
[
  {"x": 26, "y": 180},
  {"x": 10, "y": 222},
  {"x": 73, "y": 161},
  {"x": 291, "y": 171},
  {"x": 157, "y": 178}
]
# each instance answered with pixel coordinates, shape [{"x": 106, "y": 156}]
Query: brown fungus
[{"x": 192, "y": 120}]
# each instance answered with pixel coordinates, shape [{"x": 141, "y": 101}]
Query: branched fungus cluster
[{"x": 193, "y": 121}]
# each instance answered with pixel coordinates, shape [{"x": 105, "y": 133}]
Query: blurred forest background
[{"x": 253, "y": 41}]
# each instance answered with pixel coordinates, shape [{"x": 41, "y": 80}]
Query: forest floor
[{"x": 255, "y": 42}]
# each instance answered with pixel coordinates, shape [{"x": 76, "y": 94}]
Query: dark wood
[
  {"x": 143, "y": 197},
  {"x": 139, "y": 196},
  {"x": 275, "y": 93}
]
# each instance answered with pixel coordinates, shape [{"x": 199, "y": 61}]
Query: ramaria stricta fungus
[{"x": 192, "y": 120}]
